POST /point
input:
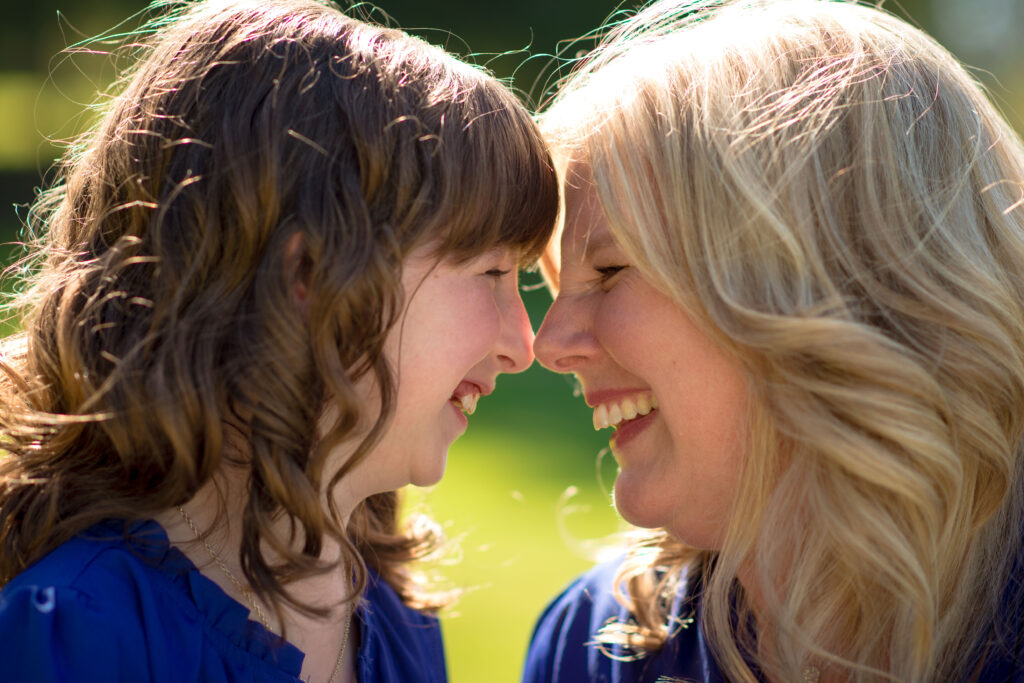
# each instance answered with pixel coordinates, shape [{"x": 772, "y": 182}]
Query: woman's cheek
[{"x": 617, "y": 318}]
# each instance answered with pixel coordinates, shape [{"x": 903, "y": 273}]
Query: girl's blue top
[
  {"x": 120, "y": 603},
  {"x": 563, "y": 650}
]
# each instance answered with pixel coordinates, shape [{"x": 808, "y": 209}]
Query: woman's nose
[{"x": 565, "y": 340}]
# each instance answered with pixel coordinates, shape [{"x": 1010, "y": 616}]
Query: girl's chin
[{"x": 429, "y": 476}]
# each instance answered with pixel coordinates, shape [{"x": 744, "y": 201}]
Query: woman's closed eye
[{"x": 608, "y": 274}]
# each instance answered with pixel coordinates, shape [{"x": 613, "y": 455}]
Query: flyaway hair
[
  {"x": 830, "y": 194},
  {"x": 161, "y": 340}
]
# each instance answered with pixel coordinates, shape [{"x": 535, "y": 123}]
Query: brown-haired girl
[{"x": 265, "y": 291}]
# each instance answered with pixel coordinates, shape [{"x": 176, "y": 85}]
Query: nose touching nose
[
  {"x": 564, "y": 340},
  {"x": 548, "y": 345}
]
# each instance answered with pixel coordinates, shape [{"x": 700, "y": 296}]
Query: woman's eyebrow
[{"x": 597, "y": 242}]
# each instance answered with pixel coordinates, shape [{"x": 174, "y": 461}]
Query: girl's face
[
  {"x": 462, "y": 326},
  {"x": 676, "y": 400}
]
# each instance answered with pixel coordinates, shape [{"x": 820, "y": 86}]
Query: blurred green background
[{"x": 523, "y": 499}]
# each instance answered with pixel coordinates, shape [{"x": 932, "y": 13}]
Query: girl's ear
[{"x": 296, "y": 271}]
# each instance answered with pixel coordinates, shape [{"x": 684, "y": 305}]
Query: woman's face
[
  {"x": 676, "y": 400},
  {"x": 462, "y": 326}
]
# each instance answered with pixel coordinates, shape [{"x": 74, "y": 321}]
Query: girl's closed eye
[{"x": 497, "y": 273}]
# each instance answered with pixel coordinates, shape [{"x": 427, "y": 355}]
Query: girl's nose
[{"x": 515, "y": 344}]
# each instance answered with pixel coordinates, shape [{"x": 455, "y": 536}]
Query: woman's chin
[{"x": 636, "y": 505}]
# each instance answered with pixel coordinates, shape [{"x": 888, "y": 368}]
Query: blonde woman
[
  {"x": 791, "y": 278},
  {"x": 267, "y": 290}
]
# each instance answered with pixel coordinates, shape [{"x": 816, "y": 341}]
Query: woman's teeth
[
  {"x": 467, "y": 402},
  {"x": 612, "y": 413}
]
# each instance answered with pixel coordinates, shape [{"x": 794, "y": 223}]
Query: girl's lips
[
  {"x": 466, "y": 396},
  {"x": 630, "y": 429},
  {"x": 459, "y": 414}
]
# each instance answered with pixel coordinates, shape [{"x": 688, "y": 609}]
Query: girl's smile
[{"x": 463, "y": 325}]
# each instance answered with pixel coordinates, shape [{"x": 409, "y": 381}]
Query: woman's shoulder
[
  {"x": 398, "y": 643},
  {"x": 564, "y": 648},
  {"x": 584, "y": 605},
  {"x": 561, "y": 648},
  {"x": 1001, "y": 655}
]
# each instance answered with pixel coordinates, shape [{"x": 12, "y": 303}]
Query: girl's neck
[{"x": 215, "y": 512}]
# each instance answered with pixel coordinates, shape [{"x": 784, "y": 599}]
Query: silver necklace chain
[{"x": 248, "y": 594}]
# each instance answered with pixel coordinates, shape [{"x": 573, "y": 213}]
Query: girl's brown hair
[{"x": 159, "y": 320}]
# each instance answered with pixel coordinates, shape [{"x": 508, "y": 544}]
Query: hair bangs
[{"x": 501, "y": 187}]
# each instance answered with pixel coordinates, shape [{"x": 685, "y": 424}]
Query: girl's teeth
[
  {"x": 468, "y": 403},
  {"x": 643, "y": 405},
  {"x": 600, "y": 417}
]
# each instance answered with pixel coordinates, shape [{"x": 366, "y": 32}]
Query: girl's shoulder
[
  {"x": 59, "y": 619},
  {"x": 398, "y": 643},
  {"x": 119, "y": 603}
]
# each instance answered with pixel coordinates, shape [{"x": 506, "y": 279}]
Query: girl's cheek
[{"x": 483, "y": 317}]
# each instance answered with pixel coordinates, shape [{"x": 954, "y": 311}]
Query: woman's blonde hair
[
  {"x": 834, "y": 198},
  {"x": 158, "y": 314}
]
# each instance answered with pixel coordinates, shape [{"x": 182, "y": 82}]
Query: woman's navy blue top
[
  {"x": 109, "y": 606},
  {"x": 562, "y": 649}
]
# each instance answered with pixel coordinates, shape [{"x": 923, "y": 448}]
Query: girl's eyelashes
[{"x": 498, "y": 272}]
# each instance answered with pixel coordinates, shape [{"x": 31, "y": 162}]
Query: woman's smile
[{"x": 677, "y": 401}]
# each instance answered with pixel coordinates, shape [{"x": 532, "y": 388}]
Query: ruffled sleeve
[
  {"x": 53, "y": 634},
  {"x": 118, "y": 603}
]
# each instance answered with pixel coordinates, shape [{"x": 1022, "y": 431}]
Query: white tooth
[
  {"x": 467, "y": 403},
  {"x": 643, "y": 405},
  {"x": 654, "y": 402},
  {"x": 614, "y": 415},
  {"x": 629, "y": 409},
  {"x": 600, "y": 417}
]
